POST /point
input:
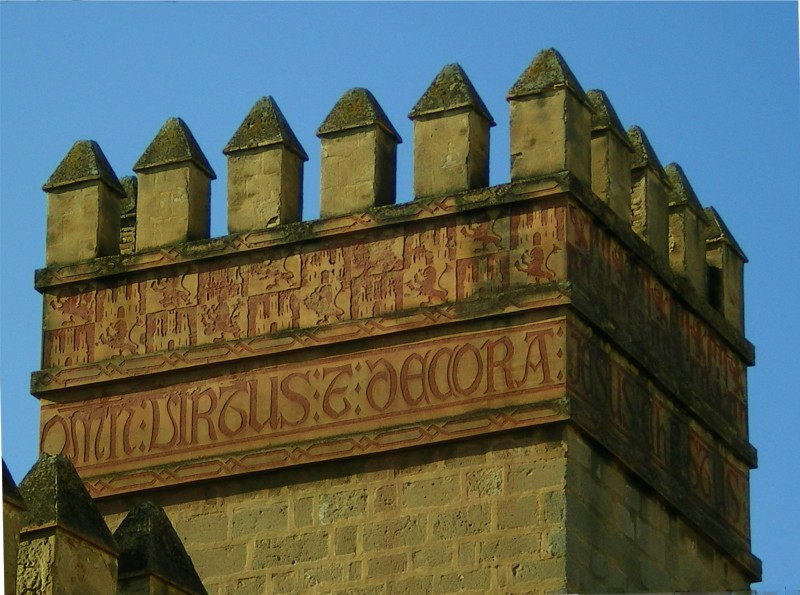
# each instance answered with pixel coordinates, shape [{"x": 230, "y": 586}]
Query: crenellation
[
  {"x": 174, "y": 189},
  {"x": 402, "y": 398},
  {"x": 265, "y": 171},
  {"x": 359, "y": 155},
  {"x": 83, "y": 207},
  {"x": 687, "y": 222},
  {"x": 649, "y": 194},
  {"x": 550, "y": 121},
  {"x": 611, "y": 156},
  {"x": 726, "y": 262},
  {"x": 451, "y": 136}
]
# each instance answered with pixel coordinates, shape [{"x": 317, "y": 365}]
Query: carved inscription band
[{"x": 334, "y": 396}]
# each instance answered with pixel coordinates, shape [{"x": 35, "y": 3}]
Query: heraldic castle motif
[{"x": 533, "y": 387}]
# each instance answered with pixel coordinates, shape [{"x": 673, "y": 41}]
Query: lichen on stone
[
  {"x": 450, "y": 89},
  {"x": 682, "y": 190},
  {"x": 55, "y": 495},
  {"x": 84, "y": 162},
  {"x": 355, "y": 109},
  {"x": 148, "y": 544},
  {"x": 643, "y": 153},
  {"x": 174, "y": 143},
  {"x": 717, "y": 231},
  {"x": 264, "y": 125},
  {"x": 547, "y": 71}
]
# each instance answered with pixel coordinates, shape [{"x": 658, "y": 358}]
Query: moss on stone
[
  {"x": 148, "y": 544},
  {"x": 55, "y": 494},
  {"x": 451, "y": 89},
  {"x": 717, "y": 231},
  {"x": 682, "y": 191},
  {"x": 643, "y": 153},
  {"x": 174, "y": 143},
  {"x": 84, "y": 162},
  {"x": 547, "y": 71},
  {"x": 356, "y": 108},
  {"x": 264, "y": 125}
]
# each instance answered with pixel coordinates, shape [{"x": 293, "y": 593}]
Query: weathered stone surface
[
  {"x": 127, "y": 225},
  {"x": 687, "y": 222},
  {"x": 82, "y": 207},
  {"x": 55, "y": 495},
  {"x": 13, "y": 521},
  {"x": 451, "y": 136},
  {"x": 173, "y": 206},
  {"x": 58, "y": 562},
  {"x": 359, "y": 156},
  {"x": 356, "y": 108},
  {"x": 649, "y": 194},
  {"x": 451, "y": 89},
  {"x": 547, "y": 72},
  {"x": 726, "y": 261},
  {"x": 174, "y": 143},
  {"x": 85, "y": 162},
  {"x": 148, "y": 545},
  {"x": 611, "y": 155},
  {"x": 550, "y": 121},
  {"x": 265, "y": 188},
  {"x": 264, "y": 125}
]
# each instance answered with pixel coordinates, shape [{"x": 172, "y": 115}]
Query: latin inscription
[
  {"x": 338, "y": 395},
  {"x": 636, "y": 301},
  {"x": 630, "y": 411}
]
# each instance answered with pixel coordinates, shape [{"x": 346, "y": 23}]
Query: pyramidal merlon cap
[
  {"x": 174, "y": 143},
  {"x": 148, "y": 544},
  {"x": 356, "y": 108},
  {"x": 643, "y": 153},
  {"x": 603, "y": 113},
  {"x": 683, "y": 191},
  {"x": 451, "y": 89},
  {"x": 264, "y": 126},
  {"x": 547, "y": 72},
  {"x": 84, "y": 162},
  {"x": 54, "y": 494},
  {"x": 717, "y": 230}
]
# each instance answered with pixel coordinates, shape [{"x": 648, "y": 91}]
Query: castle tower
[{"x": 538, "y": 386}]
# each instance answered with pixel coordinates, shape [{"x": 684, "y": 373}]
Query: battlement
[
  {"x": 557, "y": 131},
  {"x": 591, "y": 290}
]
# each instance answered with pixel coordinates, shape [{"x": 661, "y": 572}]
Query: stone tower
[{"x": 538, "y": 386}]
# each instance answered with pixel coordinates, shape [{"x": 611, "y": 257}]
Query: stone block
[
  {"x": 265, "y": 171},
  {"x": 397, "y": 532},
  {"x": 359, "y": 156},
  {"x": 451, "y": 136},
  {"x": 341, "y": 506},
  {"x": 384, "y": 566},
  {"x": 462, "y": 522},
  {"x": 303, "y": 512},
  {"x": 290, "y": 550},
  {"x": 472, "y": 580},
  {"x": 435, "y": 491},
  {"x": 518, "y": 512},
  {"x": 259, "y": 520},
  {"x": 345, "y": 541},
  {"x": 484, "y": 482}
]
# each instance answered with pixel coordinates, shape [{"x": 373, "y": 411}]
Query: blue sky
[{"x": 714, "y": 86}]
